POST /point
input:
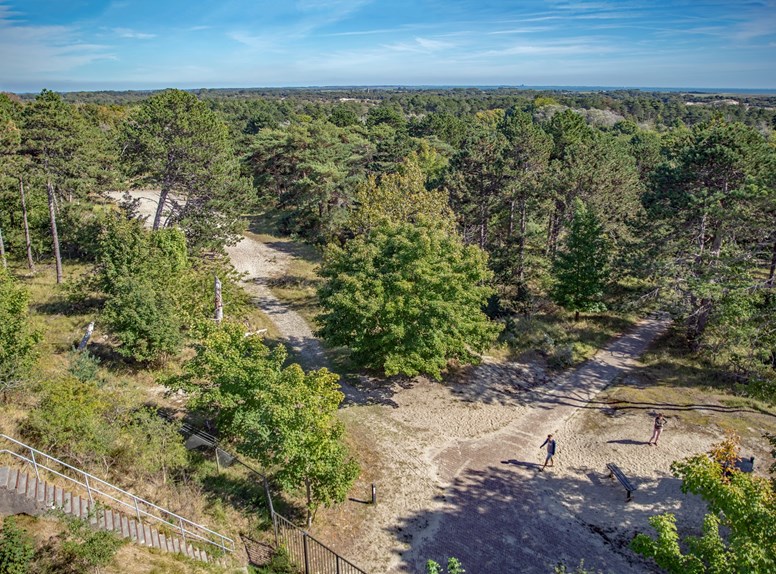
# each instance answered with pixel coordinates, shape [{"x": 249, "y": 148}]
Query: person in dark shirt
[{"x": 550, "y": 442}]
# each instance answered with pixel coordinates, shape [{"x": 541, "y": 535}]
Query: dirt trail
[
  {"x": 495, "y": 483},
  {"x": 458, "y": 475},
  {"x": 258, "y": 263}
]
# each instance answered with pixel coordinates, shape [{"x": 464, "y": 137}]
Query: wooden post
[
  {"x": 86, "y": 337},
  {"x": 374, "y": 494},
  {"x": 219, "y": 304},
  {"x": 2, "y": 250}
]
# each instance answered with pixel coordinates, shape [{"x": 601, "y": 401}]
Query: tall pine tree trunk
[
  {"x": 521, "y": 243},
  {"x": 2, "y": 250},
  {"x": 159, "y": 208},
  {"x": 770, "y": 283},
  {"x": 27, "y": 241},
  {"x": 309, "y": 503},
  {"x": 54, "y": 234}
]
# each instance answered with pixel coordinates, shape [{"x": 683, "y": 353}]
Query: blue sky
[{"x": 133, "y": 44}]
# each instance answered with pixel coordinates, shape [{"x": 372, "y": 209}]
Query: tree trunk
[
  {"x": 483, "y": 226},
  {"x": 86, "y": 337},
  {"x": 576, "y": 316},
  {"x": 27, "y": 241},
  {"x": 2, "y": 250},
  {"x": 54, "y": 234},
  {"x": 309, "y": 503},
  {"x": 219, "y": 304},
  {"x": 771, "y": 276},
  {"x": 521, "y": 243},
  {"x": 159, "y": 208},
  {"x": 511, "y": 231}
]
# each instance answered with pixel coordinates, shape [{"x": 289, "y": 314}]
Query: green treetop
[
  {"x": 581, "y": 269},
  {"x": 407, "y": 299}
]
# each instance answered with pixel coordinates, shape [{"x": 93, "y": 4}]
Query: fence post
[
  {"x": 336, "y": 562},
  {"x": 271, "y": 510},
  {"x": 306, "y": 557},
  {"x": 374, "y": 494},
  {"x": 34, "y": 464},
  {"x": 183, "y": 534},
  {"x": 88, "y": 488}
]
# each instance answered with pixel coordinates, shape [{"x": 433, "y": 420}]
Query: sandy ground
[{"x": 456, "y": 463}]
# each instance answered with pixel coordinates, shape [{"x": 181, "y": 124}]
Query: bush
[
  {"x": 84, "y": 366},
  {"x": 16, "y": 549},
  {"x": 17, "y": 340},
  {"x": 78, "y": 549},
  {"x": 81, "y": 422}
]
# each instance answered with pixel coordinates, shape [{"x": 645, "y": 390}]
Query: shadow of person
[{"x": 522, "y": 463}]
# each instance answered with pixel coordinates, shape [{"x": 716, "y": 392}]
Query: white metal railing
[{"x": 188, "y": 529}]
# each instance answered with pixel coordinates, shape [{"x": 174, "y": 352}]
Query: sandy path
[
  {"x": 496, "y": 488},
  {"x": 456, "y": 463},
  {"x": 457, "y": 473},
  {"x": 257, "y": 263}
]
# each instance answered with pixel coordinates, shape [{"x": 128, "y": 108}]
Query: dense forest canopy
[{"x": 678, "y": 189}]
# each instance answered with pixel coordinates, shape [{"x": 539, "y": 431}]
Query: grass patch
[{"x": 562, "y": 341}]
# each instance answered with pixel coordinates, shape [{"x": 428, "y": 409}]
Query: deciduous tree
[{"x": 406, "y": 299}]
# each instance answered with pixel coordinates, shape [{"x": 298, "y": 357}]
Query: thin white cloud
[
  {"x": 132, "y": 34},
  {"x": 28, "y": 51},
  {"x": 420, "y": 45},
  {"x": 523, "y": 30},
  {"x": 433, "y": 45}
]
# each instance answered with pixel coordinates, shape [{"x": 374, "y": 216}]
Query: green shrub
[
  {"x": 17, "y": 340},
  {"x": 16, "y": 549}
]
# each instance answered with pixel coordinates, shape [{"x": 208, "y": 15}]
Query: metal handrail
[{"x": 224, "y": 540}]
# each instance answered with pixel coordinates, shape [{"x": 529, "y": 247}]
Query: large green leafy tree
[
  {"x": 742, "y": 504},
  {"x": 17, "y": 339},
  {"x": 581, "y": 269},
  {"x": 175, "y": 142},
  {"x": 282, "y": 416},
  {"x": 399, "y": 197},
  {"x": 407, "y": 298}
]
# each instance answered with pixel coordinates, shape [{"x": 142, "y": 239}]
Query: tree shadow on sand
[{"x": 511, "y": 518}]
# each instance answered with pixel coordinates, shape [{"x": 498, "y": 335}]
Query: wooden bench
[
  {"x": 615, "y": 472},
  {"x": 745, "y": 464}
]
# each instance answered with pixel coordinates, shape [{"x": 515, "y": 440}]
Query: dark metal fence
[{"x": 309, "y": 554}]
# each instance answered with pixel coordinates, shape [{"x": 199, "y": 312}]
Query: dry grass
[{"x": 225, "y": 502}]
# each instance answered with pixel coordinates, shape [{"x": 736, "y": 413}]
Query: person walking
[
  {"x": 660, "y": 423},
  {"x": 550, "y": 442}
]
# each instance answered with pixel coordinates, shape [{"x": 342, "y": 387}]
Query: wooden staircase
[{"x": 46, "y": 496}]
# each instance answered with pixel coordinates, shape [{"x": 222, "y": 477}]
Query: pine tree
[{"x": 581, "y": 269}]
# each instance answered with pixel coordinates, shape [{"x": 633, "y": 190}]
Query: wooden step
[{"x": 4, "y": 472}]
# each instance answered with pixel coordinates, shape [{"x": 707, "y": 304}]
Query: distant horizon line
[{"x": 549, "y": 87}]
